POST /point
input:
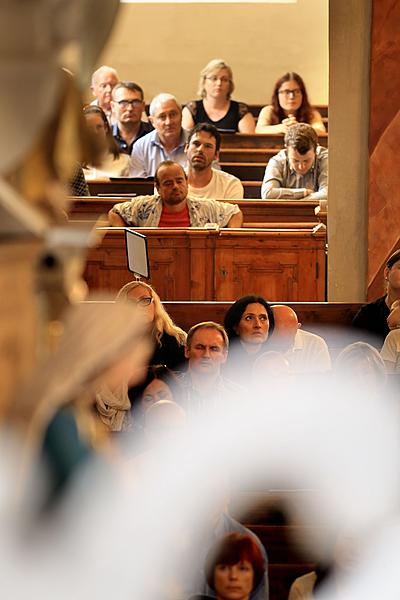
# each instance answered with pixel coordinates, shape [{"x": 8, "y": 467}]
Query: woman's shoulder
[
  {"x": 192, "y": 106},
  {"x": 243, "y": 108},
  {"x": 266, "y": 113}
]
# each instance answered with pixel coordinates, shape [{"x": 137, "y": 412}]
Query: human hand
[{"x": 289, "y": 122}]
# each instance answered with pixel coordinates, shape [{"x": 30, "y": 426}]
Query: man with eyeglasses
[
  {"x": 300, "y": 170},
  {"x": 127, "y": 106},
  {"x": 166, "y": 142}
]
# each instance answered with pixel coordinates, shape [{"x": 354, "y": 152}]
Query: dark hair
[
  {"x": 128, "y": 85},
  {"x": 301, "y": 137},
  {"x": 112, "y": 145},
  {"x": 393, "y": 258},
  {"x": 207, "y": 325},
  {"x": 235, "y": 313},
  {"x": 232, "y": 549},
  {"x": 304, "y": 113},
  {"x": 167, "y": 163},
  {"x": 161, "y": 372},
  {"x": 208, "y": 128}
]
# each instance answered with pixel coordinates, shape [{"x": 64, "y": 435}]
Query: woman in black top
[{"x": 216, "y": 107}]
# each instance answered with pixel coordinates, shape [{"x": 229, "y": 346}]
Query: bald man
[{"x": 305, "y": 352}]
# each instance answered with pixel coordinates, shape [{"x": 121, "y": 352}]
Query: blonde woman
[
  {"x": 216, "y": 107},
  {"x": 168, "y": 338}
]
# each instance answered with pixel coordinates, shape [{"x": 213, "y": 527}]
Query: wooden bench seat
[
  {"x": 247, "y": 155},
  {"x": 249, "y": 171},
  {"x": 256, "y": 212},
  {"x": 256, "y": 108},
  {"x": 260, "y": 140}
]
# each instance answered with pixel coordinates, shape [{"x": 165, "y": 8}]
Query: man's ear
[
  {"x": 216, "y": 157},
  {"x": 186, "y": 148},
  {"x": 298, "y": 325},
  {"x": 186, "y": 352},
  {"x": 151, "y": 120}
]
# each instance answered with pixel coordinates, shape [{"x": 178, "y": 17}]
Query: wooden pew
[
  {"x": 245, "y": 171},
  {"x": 247, "y": 155},
  {"x": 134, "y": 187},
  {"x": 204, "y": 264},
  {"x": 256, "y": 108},
  {"x": 254, "y": 211},
  {"x": 259, "y": 140}
]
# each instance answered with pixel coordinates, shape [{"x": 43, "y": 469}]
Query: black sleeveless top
[{"x": 229, "y": 122}]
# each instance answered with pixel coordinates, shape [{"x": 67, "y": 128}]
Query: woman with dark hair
[
  {"x": 113, "y": 163},
  {"x": 289, "y": 105},
  {"x": 215, "y": 106},
  {"x": 160, "y": 384},
  {"x": 249, "y": 322},
  {"x": 234, "y": 568}
]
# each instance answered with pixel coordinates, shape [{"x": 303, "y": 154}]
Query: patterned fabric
[
  {"x": 145, "y": 211},
  {"x": 280, "y": 181},
  {"x": 77, "y": 185}
]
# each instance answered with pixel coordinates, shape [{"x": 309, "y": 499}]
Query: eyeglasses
[
  {"x": 133, "y": 103},
  {"x": 145, "y": 301},
  {"x": 214, "y": 79},
  {"x": 287, "y": 93}
]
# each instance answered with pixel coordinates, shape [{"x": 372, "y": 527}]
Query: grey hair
[
  {"x": 163, "y": 97},
  {"x": 100, "y": 70}
]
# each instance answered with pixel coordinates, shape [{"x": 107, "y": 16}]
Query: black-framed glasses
[
  {"x": 144, "y": 301},
  {"x": 134, "y": 103},
  {"x": 287, "y": 93}
]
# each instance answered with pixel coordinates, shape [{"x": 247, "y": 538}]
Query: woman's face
[
  {"x": 143, "y": 299},
  {"x": 290, "y": 96},
  {"x": 253, "y": 327},
  {"x": 234, "y": 582},
  {"x": 217, "y": 84},
  {"x": 96, "y": 125},
  {"x": 155, "y": 391}
]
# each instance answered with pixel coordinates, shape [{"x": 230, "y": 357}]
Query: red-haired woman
[
  {"x": 289, "y": 105},
  {"x": 234, "y": 568}
]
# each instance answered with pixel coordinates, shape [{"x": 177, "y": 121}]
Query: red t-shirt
[{"x": 175, "y": 219}]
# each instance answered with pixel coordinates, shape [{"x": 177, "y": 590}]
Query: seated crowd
[
  {"x": 191, "y": 136},
  {"x": 137, "y": 375}
]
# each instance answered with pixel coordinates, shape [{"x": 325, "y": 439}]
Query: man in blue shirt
[{"x": 166, "y": 142}]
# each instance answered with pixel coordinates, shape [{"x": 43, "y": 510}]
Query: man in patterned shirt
[{"x": 172, "y": 207}]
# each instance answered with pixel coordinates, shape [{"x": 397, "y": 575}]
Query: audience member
[
  {"x": 163, "y": 421},
  {"x": 248, "y": 322},
  {"x": 234, "y": 568},
  {"x": 360, "y": 365},
  {"x": 103, "y": 81},
  {"x": 112, "y": 162},
  {"x": 172, "y": 207},
  {"x": 289, "y": 106},
  {"x": 372, "y": 317},
  {"x": 202, "y": 150},
  {"x": 298, "y": 171},
  {"x": 206, "y": 351},
  {"x": 216, "y": 107},
  {"x": 305, "y": 352},
  {"x": 271, "y": 363},
  {"x": 166, "y": 142},
  {"x": 128, "y": 105},
  {"x": 168, "y": 338},
  {"x": 160, "y": 383}
]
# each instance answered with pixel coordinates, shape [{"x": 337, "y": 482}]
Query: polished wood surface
[
  {"x": 254, "y": 211},
  {"x": 259, "y": 140},
  {"x": 203, "y": 264}
]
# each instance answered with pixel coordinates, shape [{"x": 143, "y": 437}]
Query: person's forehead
[
  {"x": 94, "y": 118},
  {"x": 138, "y": 291},
  {"x": 221, "y": 71},
  {"x": 203, "y": 136},
  {"x": 106, "y": 77},
  {"x": 156, "y": 385},
  {"x": 208, "y": 335},
  {"x": 126, "y": 94},
  {"x": 170, "y": 172},
  {"x": 254, "y": 308},
  {"x": 289, "y": 85},
  {"x": 293, "y": 153},
  {"x": 166, "y": 106}
]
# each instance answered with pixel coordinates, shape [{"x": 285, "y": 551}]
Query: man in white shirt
[
  {"x": 305, "y": 352},
  {"x": 103, "y": 82},
  {"x": 202, "y": 149}
]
